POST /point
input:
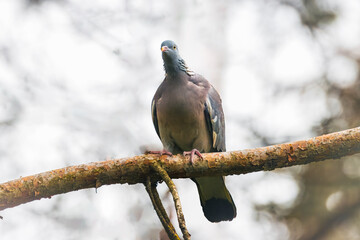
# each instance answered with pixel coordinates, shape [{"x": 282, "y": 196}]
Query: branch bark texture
[
  {"x": 160, "y": 210},
  {"x": 136, "y": 169}
]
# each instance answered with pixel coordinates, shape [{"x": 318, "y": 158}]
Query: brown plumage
[{"x": 187, "y": 115}]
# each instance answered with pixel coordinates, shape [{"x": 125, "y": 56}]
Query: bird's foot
[
  {"x": 192, "y": 154},
  {"x": 162, "y": 152}
]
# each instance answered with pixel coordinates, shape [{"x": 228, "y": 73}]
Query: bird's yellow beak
[{"x": 164, "y": 48}]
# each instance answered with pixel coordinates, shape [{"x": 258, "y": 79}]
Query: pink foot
[
  {"x": 162, "y": 152},
  {"x": 192, "y": 154}
]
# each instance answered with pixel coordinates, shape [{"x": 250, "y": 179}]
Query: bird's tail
[{"x": 216, "y": 201}]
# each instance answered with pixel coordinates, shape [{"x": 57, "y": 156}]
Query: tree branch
[
  {"x": 135, "y": 169},
  {"x": 160, "y": 211},
  {"x": 176, "y": 198}
]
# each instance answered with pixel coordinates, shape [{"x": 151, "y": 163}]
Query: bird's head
[
  {"x": 170, "y": 52},
  {"x": 172, "y": 60}
]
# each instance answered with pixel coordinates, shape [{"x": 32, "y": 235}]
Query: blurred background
[{"x": 76, "y": 83}]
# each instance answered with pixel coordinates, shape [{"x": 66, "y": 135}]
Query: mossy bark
[{"x": 136, "y": 169}]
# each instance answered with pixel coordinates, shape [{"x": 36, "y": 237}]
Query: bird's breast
[
  {"x": 179, "y": 107},
  {"x": 181, "y": 117}
]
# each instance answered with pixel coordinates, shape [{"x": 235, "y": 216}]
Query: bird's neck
[{"x": 177, "y": 67}]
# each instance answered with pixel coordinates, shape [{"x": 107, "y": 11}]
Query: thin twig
[
  {"x": 159, "y": 209},
  {"x": 176, "y": 198},
  {"x": 159, "y": 203}
]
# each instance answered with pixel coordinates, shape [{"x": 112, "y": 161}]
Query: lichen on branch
[{"x": 136, "y": 169}]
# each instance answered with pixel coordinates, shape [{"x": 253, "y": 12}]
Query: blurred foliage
[
  {"x": 328, "y": 206},
  {"x": 314, "y": 14}
]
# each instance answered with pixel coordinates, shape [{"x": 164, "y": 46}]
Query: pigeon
[{"x": 188, "y": 118}]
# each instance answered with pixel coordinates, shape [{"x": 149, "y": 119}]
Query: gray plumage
[{"x": 187, "y": 114}]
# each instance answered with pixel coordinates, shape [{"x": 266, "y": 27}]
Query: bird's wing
[
  {"x": 153, "y": 110},
  {"x": 214, "y": 116},
  {"x": 215, "y": 198}
]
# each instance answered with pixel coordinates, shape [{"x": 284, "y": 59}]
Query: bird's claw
[{"x": 192, "y": 154}]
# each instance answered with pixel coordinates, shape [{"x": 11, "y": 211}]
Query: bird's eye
[{"x": 174, "y": 47}]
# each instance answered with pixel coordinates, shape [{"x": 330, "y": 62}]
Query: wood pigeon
[{"x": 188, "y": 118}]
